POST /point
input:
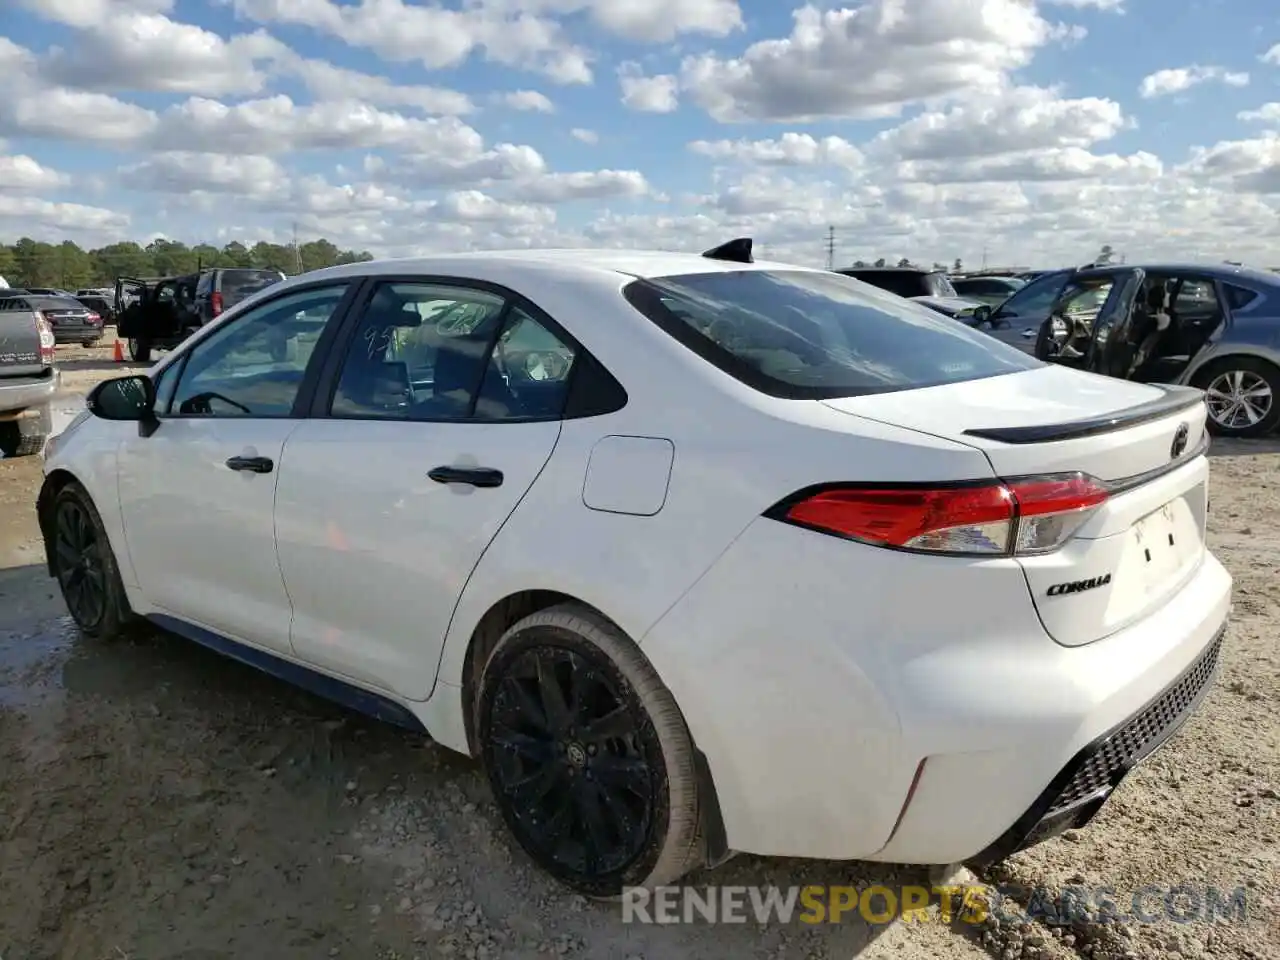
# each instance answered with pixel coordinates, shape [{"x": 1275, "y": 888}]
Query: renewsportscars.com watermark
[{"x": 816, "y": 904}]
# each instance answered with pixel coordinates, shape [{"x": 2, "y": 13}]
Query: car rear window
[
  {"x": 55, "y": 303},
  {"x": 239, "y": 284},
  {"x": 811, "y": 335}
]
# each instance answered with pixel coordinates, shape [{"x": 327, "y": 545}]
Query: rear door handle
[
  {"x": 474, "y": 476},
  {"x": 251, "y": 464}
]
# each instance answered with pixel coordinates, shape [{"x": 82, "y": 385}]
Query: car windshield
[
  {"x": 240, "y": 284},
  {"x": 939, "y": 285},
  {"x": 811, "y": 334}
]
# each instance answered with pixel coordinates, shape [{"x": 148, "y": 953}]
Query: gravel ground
[{"x": 159, "y": 802}]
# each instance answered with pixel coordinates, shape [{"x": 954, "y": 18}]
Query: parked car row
[
  {"x": 158, "y": 313},
  {"x": 1215, "y": 327},
  {"x": 69, "y": 318}
]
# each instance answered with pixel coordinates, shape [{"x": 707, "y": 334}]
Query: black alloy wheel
[
  {"x": 79, "y": 563},
  {"x": 570, "y": 753}
]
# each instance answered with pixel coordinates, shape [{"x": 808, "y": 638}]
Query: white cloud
[
  {"x": 1267, "y": 113},
  {"x": 1162, "y": 83},
  {"x": 1010, "y": 119},
  {"x": 182, "y": 171},
  {"x": 655, "y": 94},
  {"x": 583, "y": 135},
  {"x": 791, "y": 149},
  {"x": 530, "y": 101},
  {"x": 1272, "y": 56},
  {"x": 22, "y": 174},
  {"x": 435, "y": 36},
  {"x": 1246, "y": 166},
  {"x": 868, "y": 61}
]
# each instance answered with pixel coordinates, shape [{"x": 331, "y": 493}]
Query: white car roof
[{"x": 637, "y": 263}]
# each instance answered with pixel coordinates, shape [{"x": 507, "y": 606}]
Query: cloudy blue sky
[{"x": 935, "y": 129}]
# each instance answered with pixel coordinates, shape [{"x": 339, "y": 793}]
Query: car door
[
  {"x": 197, "y": 492},
  {"x": 1018, "y": 319},
  {"x": 1105, "y": 320},
  {"x": 444, "y": 407}
]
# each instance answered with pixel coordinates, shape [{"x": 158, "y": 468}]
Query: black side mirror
[
  {"x": 123, "y": 398},
  {"x": 981, "y": 315}
]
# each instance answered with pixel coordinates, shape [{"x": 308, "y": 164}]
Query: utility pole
[
  {"x": 831, "y": 248},
  {"x": 297, "y": 251},
  {"x": 984, "y": 258}
]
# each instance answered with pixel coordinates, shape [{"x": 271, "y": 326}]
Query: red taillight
[
  {"x": 47, "y": 340},
  {"x": 1032, "y": 515},
  {"x": 93, "y": 319},
  {"x": 215, "y": 303}
]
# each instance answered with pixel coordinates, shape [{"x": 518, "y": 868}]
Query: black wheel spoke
[
  {"x": 526, "y": 705},
  {"x": 531, "y": 748},
  {"x": 534, "y": 788},
  {"x": 621, "y": 773},
  {"x": 614, "y": 725},
  {"x": 595, "y": 835},
  {"x": 553, "y": 705}
]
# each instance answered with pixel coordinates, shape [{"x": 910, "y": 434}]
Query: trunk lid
[{"x": 1147, "y": 442}]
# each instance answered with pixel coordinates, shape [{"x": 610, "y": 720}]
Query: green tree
[{"x": 34, "y": 263}]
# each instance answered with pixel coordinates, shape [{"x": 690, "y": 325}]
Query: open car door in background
[{"x": 1081, "y": 319}]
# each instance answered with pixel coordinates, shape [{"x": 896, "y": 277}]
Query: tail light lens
[
  {"x": 94, "y": 318},
  {"x": 47, "y": 341},
  {"x": 1000, "y": 518},
  {"x": 215, "y": 303}
]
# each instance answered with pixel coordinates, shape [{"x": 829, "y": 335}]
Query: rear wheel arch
[{"x": 499, "y": 618}]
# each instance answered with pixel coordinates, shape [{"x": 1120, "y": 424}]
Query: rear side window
[
  {"x": 1238, "y": 297},
  {"x": 238, "y": 285},
  {"x": 810, "y": 335},
  {"x": 902, "y": 284}
]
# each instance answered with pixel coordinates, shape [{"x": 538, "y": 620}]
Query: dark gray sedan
[{"x": 1216, "y": 327}]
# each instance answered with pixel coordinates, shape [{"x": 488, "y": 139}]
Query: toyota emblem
[{"x": 1179, "y": 441}]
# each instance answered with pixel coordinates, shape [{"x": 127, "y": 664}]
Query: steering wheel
[{"x": 199, "y": 404}]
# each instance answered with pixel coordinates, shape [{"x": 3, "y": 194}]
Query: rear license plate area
[{"x": 1164, "y": 542}]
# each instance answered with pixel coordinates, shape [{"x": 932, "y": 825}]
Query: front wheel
[
  {"x": 85, "y": 565},
  {"x": 589, "y": 758},
  {"x": 1241, "y": 394}
]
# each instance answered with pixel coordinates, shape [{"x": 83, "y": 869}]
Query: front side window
[
  {"x": 253, "y": 366},
  {"x": 811, "y": 334},
  {"x": 1034, "y": 301}
]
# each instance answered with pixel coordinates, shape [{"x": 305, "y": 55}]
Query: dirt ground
[{"x": 160, "y": 803}]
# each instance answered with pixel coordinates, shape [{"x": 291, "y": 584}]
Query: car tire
[
  {"x": 620, "y": 770},
  {"x": 1241, "y": 377},
  {"x": 139, "y": 350},
  {"x": 85, "y": 565},
  {"x": 15, "y": 443}
]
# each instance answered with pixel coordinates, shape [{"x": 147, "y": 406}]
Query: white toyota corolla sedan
[{"x": 697, "y": 554}]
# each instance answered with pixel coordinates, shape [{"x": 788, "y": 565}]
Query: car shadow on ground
[
  {"x": 1230, "y": 447},
  {"x": 247, "y": 780}
]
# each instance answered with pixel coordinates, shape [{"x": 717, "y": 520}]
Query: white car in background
[{"x": 697, "y": 554}]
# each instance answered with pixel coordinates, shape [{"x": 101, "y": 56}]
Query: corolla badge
[{"x": 1179, "y": 441}]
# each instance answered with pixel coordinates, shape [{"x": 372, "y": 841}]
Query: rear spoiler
[{"x": 1175, "y": 400}]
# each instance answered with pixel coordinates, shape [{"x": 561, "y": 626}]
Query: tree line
[{"x": 68, "y": 266}]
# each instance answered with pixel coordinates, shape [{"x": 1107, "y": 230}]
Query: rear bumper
[
  {"x": 27, "y": 403},
  {"x": 67, "y": 333},
  {"x": 862, "y": 704},
  {"x": 1080, "y": 789},
  {"x": 28, "y": 393}
]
